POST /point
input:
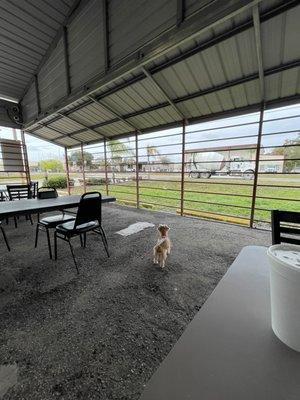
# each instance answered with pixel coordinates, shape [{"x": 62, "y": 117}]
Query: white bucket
[{"x": 285, "y": 293}]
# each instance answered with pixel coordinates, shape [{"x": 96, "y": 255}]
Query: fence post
[
  {"x": 83, "y": 170},
  {"x": 257, "y": 157},
  {"x": 26, "y": 163},
  {"x": 67, "y": 171},
  {"x": 105, "y": 168},
  {"x": 137, "y": 176},
  {"x": 182, "y": 167}
]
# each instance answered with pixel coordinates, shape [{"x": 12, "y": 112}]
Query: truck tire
[
  {"x": 205, "y": 175},
  {"x": 248, "y": 174},
  {"x": 194, "y": 175}
]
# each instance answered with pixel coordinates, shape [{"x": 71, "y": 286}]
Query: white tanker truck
[{"x": 206, "y": 164}]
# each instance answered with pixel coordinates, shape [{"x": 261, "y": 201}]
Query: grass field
[
  {"x": 231, "y": 197},
  {"x": 228, "y": 196}
]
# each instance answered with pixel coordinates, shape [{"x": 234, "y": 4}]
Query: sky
[{"x": 40, "y": 150}]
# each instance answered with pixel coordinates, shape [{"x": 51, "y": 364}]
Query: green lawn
[
  {"x": 223, "y": 196},
  {"x": 231, "y": 197}
]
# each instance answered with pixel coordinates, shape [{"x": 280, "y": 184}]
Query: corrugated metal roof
[
  {"x": 26, "y": 31},
  {"x": 216, "y": 72}
]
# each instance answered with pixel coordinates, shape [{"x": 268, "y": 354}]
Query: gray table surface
[
  {"x": 228, "y": 351},
  {"x": 31, "y": 206}
]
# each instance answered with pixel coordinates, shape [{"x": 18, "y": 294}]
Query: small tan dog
[{"x": 162, "y": 247}]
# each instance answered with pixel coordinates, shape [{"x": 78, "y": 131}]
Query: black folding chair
[
  {"x": 34, "y": 186},
  {"x": 88, "y": 218},
  {"x": 52, "y": 221},
  {"x": 4, "y": 236},
  {"x": 18, "y": 192},
  {"x": 285, "y": 233}
]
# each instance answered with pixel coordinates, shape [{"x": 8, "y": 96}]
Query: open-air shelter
[{"x": 91, "y": 74}]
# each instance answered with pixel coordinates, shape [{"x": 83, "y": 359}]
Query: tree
[
  {"x": 51, "y": 165},
  {"x": 118, "y": 151},
  {"x": 291, "y": 152},
  {"x": 76, "y": 158},
  {"x": 151, "y": 151}
]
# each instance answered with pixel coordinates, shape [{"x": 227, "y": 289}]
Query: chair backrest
[
  {"x": 285, "y": 233},
  {"x": 18, "y": 192},
  {"x": 89, "y": 208},
  {"x": 34, "y": 186},
  {"x": 47, "y": 193}
]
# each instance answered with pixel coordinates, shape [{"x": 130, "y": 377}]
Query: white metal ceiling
[
  {"x": 27, "y": 28},
  {"x": 219, "y": 77}
]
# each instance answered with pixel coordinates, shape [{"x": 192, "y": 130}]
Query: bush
[
  {"x": 94, "y": 181},
  {"x": 57, "y": 182}
]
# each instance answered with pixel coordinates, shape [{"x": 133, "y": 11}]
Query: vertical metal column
[
  {"x": 66, "y": 60},
  {"x": 83, "y": 170},
  {"x": 37, "y": 95},
  {"x": 105, "y": 167},
  {"x": 257, "y": 157},
  {"x": 182, "y": 167},
  {"x": 26, "y": 163},
  {"x": 67, "y": 171},
  {"x": 137, "y": 170},
  {"x": 105, "y": 22}
]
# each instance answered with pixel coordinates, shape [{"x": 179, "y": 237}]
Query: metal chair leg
[
  {"x": 84, "y": 240},
  {"x": 73, "y": 255},
  {"x": 104, "y": 240},
  {"x": 81, "y": 240},
  {"x": 30, "y": 219},
  {"x": 49, "y": 243},
  {"x": 36, "y": 235},
  {"x": 55, "y": 245},
  {"x": 16, "y": 223},
  {"x": 5, "y": 238}
]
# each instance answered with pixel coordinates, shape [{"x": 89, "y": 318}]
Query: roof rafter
[
  {"x": 81, "y": 124},
  {"x": 163, "y": 92},
  {"x": 114, "y": 112},
  {"x": 195, "y": 95},
  {"x": 206, "y": 118},
  {"x": 256, "y": 21},
  {"x": 265, "y": 16},
  {"x": 58, "y": 131}
]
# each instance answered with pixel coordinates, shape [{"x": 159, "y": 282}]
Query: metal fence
[{"x": 235, "y": 170}]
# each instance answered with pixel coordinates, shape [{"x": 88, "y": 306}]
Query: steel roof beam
[
  {"x": 283, "y": 7},
  {"x": 214, "y": 89},
  {"x": 213, "y": 117},
  {"x": 105, "y": 34},
  {"x": 115, "y": 113},
  {"x": 52, "y": 141},
  {"x": 167, "y": 41},
  {"x": 198, "y": 94},
  {"x": 198, "y": 48},
  {"x": 80, "y": 123},
  {"x": 62, "y": 134},
  {"x": 256, "y": 21},
  {"x": 163, "y": 92}
]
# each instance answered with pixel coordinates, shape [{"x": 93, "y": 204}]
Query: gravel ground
[{"x": 102, "y": 334}]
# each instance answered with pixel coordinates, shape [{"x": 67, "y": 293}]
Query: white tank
[{"x": 209, "y": 161}]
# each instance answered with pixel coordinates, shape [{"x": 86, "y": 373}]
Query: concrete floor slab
[{"x": 102, "y": 334}]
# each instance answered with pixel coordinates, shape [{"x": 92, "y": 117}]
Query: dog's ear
[{"x": 162, "y": 227}]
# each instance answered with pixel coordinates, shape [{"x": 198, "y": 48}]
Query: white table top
[{"x": 229, "y": 351}]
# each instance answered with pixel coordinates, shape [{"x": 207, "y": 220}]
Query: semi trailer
[{"x": 207, "y": 164}]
